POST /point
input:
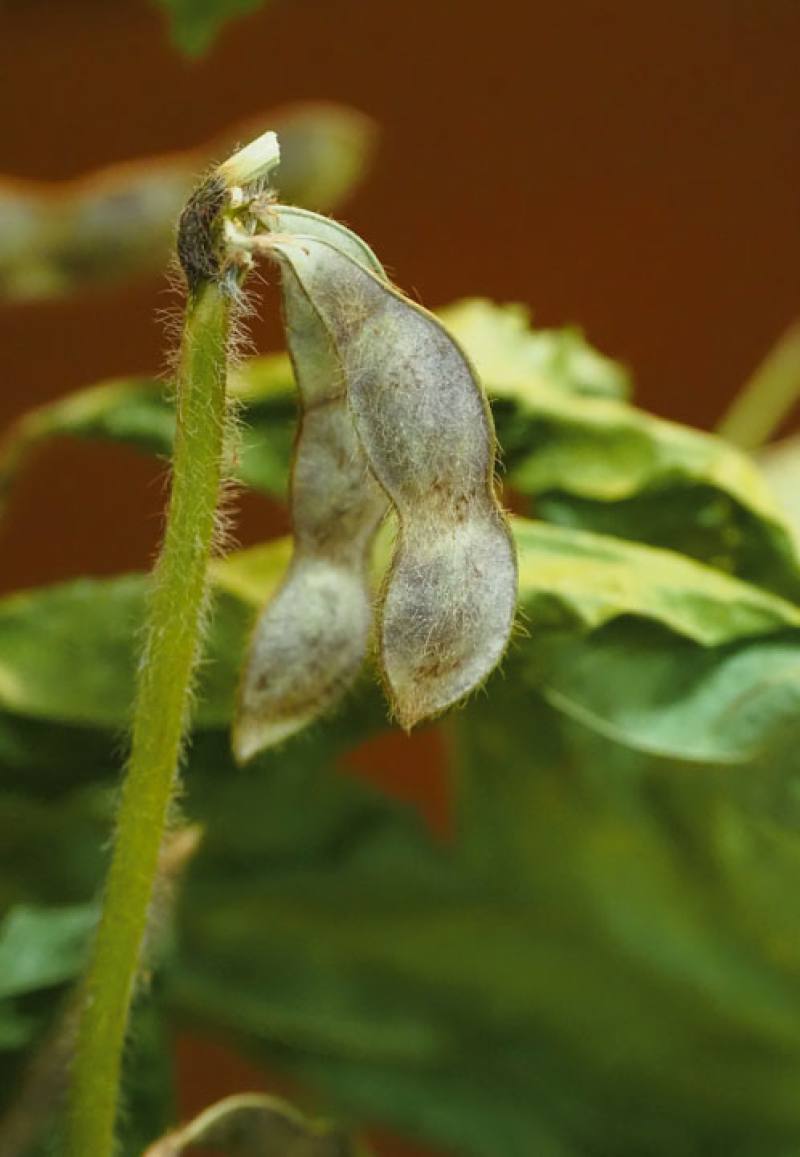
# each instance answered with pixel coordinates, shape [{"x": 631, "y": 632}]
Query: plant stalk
[
  {"x": 176, "y": 612},
  {"x": 767, "y": 398}
]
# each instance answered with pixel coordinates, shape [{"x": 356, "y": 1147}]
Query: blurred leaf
[
  {"x": 608, "y": 924},
  {"x": 68, "y": 653},
  {"x": 704, "y": 666},
  {"x": 657, "y": 651},
  {"x": 326, "y": 151},
  {"x": 51, "y": 848},
  {"x": 780, "y": 465},
  {"x": 150, "y": 1094},
  {"x": 508, "y": 354},
  {"x": 606, "y": 927},
  {"x": 32, "y": 1084},
  {"x": 587, "y": 458},
  {"x": 562, "y": 1007},
  {"x": 579, "y": 581},
  {"x": 195, "y": 23},
  {"x": 58, "y": 852},
  {"x": 44, "y": 752},
  {"x": 57, "y": 238},
  {"x": 17, "y": 1029},
  {"x": 138, "y": 411},
  {"x": 42, "y": 947},
  {"x": 600, "y": 464},
  {"x": 54, "y": 848},
  {"x": 644, "y": 689},
  {"x": 255, "y": 1125},
  {"x": 33, "y": 1087}
]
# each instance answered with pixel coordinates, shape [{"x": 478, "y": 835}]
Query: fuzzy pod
[
  {"x": 311, "y": 639},
  {"x": 447, "y": 606}
]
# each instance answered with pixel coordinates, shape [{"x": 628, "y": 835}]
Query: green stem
[
  {"x": 766, "y": 399},
  {"x": 174, "y": 627}
]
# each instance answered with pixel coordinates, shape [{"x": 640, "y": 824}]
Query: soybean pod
[
  {"x": 447, "y": 606},
  {"x": 310, "y": 641}
]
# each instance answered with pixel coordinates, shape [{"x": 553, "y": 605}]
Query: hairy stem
[{"x": 173, "y": 633}]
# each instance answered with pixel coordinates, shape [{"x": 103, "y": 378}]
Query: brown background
[{"x": 631, "y": 166}]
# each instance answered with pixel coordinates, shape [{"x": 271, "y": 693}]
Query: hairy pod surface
[
  {"x": 310, "y": 641},
  {"x": 447, "y": 606}
]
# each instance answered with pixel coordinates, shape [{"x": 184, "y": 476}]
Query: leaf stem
[
  {"x": 766, "y": 399},
  {"x": 176, "y": 611}
]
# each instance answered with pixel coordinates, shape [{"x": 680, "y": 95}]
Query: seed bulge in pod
[
  {"x": 447, "y": 606},
  {"x": 310, "y": 641}
]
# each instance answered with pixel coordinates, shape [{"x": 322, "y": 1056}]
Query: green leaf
[
  {"x": 509, "y": 355},
  {"x": 642, "y": 690},
  {"x": 42, "y": 947},
  {"x": 39, "y": 754},
  {"x": 573, "y": 579},
  {"x": 655, "y": 650},
  {"x": 605, "y": 926},
  {"x": 138, "y": 412},
  {"x": 69, "y": 652},
  {"x": 780, "y": 465},
  {"x": 51, "y": 847},
  {"x": 570, "y": 442},
  {"x": 46, "y": 949},
  {"x": 195, "y": 23},
  {"x": 602, "y": 465},
  {"x": 659, "y": 651},
  {"x": 608, "y": 923},
  {"x": 645, "y": 932},
  {"x": 567, "y": 1004},
  {"x": 17, "y": 1029},
  {"x": 150, "y": 1093}
]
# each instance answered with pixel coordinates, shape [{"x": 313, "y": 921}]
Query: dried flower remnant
[
  {"x": 201, "y": 242},
  {"x": 198, "y": 227}
]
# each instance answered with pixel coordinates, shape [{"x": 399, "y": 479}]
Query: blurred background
[{"x": 631, "y": 168}]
